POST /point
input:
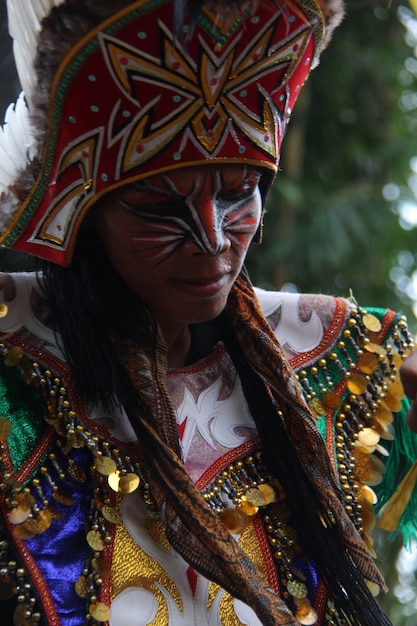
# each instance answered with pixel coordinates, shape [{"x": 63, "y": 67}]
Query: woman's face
[{"x": 179, "y": 240}]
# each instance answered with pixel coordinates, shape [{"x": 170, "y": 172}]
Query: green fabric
[
  {"x": 24, "y": 407},
  {"x": 402, "y": 451},
  {"x": 402, "y": 454}
]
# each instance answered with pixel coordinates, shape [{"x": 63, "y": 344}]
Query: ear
[{"x": 259, "y": 233}]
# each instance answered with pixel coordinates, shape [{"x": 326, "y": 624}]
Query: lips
[{"x": 203, "y": 287}]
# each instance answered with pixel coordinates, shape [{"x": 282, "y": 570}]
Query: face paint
[
  {"x": 205, "y": 212},
  {"x": 179, "y": 240}
]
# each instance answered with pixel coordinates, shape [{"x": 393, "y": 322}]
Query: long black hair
[{"x": 91, "y": 304}]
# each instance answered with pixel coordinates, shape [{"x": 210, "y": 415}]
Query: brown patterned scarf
[{"x": 192, "y": 528}]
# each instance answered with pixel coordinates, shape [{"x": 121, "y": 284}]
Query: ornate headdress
[{"x": 124, "y": 90}]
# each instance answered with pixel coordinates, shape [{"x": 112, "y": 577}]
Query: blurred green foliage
[{"x": 328, "y": 226}]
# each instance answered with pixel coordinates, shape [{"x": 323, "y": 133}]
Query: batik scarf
[{"x": 192, "y": 528}]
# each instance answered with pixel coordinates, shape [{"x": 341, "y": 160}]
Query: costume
[
  {"x": 126, "y": 503},
  {"x": 68, "y": 457}
]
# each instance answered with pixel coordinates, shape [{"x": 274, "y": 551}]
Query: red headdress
[{"x": 134, "y": 95}]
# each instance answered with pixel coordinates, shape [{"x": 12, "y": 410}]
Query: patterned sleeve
[{"x": 347, "y": 360}]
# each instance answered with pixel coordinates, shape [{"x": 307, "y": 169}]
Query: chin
[{"x": 205, "y": 314}]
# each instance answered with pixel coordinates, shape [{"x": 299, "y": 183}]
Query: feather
[
  {"x": 25, "y": 19},
  {"x": 17, "y": 142}
]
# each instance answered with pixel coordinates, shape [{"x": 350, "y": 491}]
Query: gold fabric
[{"x": 192, "y": 528}]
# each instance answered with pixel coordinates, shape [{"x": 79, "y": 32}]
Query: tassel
[
  {"x": 395, "y": 507},
  {"x": 402, "y": 454}
]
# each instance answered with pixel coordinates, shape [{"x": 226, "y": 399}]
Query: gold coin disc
[
  {"x": 105, "y": 465},
  {"x": 128, "y": 483},
  {"x": 368, "y": 437},
  {"x": 95, "y": 540},
  {"x": 371, "y": 323},
  {"x": 100, "y": 611},
  {"x": 357, "y": 384},
  {"x": 111, "y": 514}
]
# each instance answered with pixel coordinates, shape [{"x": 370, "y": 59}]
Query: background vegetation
[
  {"x": 333, "y": 216},
  {"x": 343, "y": 211}
]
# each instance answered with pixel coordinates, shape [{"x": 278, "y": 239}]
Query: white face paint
[
  {"x": 179, "y": 240},
  {"x": 204, "y": 211}
]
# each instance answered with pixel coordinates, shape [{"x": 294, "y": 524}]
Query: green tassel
[{"x": 402, "y": 455}]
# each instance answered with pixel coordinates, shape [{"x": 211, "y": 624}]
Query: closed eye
[{"x": 156, "y": 211}]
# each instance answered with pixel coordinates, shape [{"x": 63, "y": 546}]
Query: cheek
[
  {"x": 127, "y": 238},
  {"x": 244, "y": 224}
]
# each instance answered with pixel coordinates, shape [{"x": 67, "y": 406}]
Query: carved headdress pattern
[{"x": 135, "y": 97}]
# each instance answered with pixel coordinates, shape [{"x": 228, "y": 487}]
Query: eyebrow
[{"x": 146, "y": 186}]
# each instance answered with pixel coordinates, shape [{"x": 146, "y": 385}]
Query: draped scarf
[{"x": 192, "y": 528}]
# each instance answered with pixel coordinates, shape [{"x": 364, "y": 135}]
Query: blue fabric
[{"x": 61, "y": 569}]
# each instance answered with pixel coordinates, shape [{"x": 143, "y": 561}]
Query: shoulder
[
  {"x": 24, "y": 312},
  {"x": 310, "y": 327},
  {"x": 301, "y": 322}
]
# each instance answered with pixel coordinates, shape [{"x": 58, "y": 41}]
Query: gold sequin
[
  {"x": 305, "y": 614},
  {"x": 297, "y": 589},
  {"x": 357, "y": 384},
  {"x": 368, "y": 363},
  {"x": 368, "y": 437},
  {"x": 76, "y": 472},
  {"x": 123, "y": 483},
  {"x": 39, "y": 523},
  {"x": 371, "y": 323},
  {"x": 95, "y": 540},
  {"x": 331, "y": 400},
  {"x": 393, "y": 402},
  {"x": 7, "y": 587},
  {"x": 247, "y": 508},
  {"x": 81, "y": 587},
  {"x": 63, "y": 498},
  {"x": 99, "y": 611},
  {"x": 102, "y": 567},
  {"x": 19, "y": 616},
  {"x": 235, "y": 520},
  {"x": 375, "y": 348},
  {"x": 105, "y": 465}
]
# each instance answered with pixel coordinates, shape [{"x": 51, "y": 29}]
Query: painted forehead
[
  {"x": 202, "y": 208},
  {"x": 190, "y": 181}
]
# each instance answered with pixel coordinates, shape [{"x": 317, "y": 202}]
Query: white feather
[
  {"x": 17, "y": 143},
  {"x": 25, "y": 17}
]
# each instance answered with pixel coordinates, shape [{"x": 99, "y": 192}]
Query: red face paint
[{"x": 179, "y": 240}]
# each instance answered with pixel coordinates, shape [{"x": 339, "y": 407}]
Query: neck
[
  {"x": 178, "y": 342},
  {"x": 188, "y": 344}
]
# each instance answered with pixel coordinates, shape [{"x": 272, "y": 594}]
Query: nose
[{"x": 209, "y": 236}]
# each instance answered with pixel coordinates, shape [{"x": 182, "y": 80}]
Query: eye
[
  {"x": 152, "y": 211},
  {"x": 236, "y": 196},
  {"x": 242, "y": 191}
]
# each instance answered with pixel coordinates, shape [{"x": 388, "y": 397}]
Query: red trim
[
  {"x": 245, "y": 448},
  {"x": 218, "y": 351},
  {"x": 320, "y": 602},
  {"x": 271, "y": 570},
  {"x": 331, "y": 333}
]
